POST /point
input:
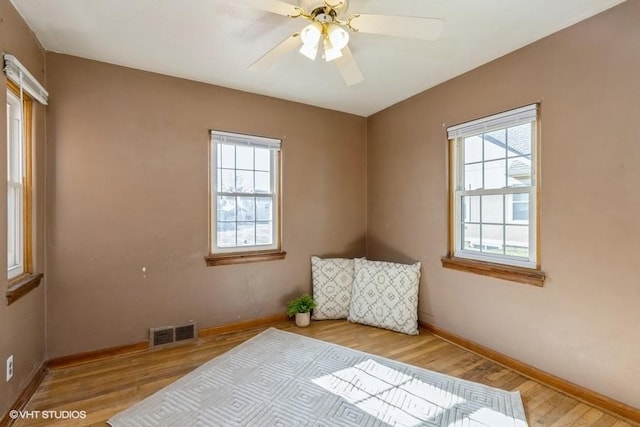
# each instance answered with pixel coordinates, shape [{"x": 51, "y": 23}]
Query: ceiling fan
[{"x": 328, "y": 32}]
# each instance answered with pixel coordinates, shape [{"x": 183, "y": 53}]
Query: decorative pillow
[
  {"x": 385, "y": 294},
  {"x": 332, "y": 280}
]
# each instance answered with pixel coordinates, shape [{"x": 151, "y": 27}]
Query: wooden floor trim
[
  {"x": 26, "y": 394},
  {"x": 604, "y": 403},
  {"x": 244, "y": 324},
  {"x": 92, "y": 356}
]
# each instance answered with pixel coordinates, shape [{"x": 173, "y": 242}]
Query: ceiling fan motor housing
[
  {"x": 324, "y": 15},
  {"x": 322, "y": 10}
]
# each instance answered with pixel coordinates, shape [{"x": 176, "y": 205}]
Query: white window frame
[
  {"x": 272, "y": 144},
  {"x": 456, "y": 135},
  {"x": 15, "y": 187}
]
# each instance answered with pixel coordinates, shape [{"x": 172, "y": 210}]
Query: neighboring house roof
[{"x": 519, "y": 168}]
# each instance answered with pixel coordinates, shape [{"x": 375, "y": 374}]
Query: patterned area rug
[{"x": 283, "y": 379}]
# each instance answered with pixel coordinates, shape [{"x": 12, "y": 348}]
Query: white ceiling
[{"x": 214, "y": 41}]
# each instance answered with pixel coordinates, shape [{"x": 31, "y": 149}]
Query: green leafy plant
[{"x": 303, "y": 304}]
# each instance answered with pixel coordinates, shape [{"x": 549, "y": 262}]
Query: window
[
  {"x": 22, "y": 89},
  {"x": 493, "y": 189},
  {"x": 18, "y": 183},
  {"x": 245, "y": 203}
]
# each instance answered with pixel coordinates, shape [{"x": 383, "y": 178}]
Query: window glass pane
[
  {"x": 246, "y": 234},
  {"x": 471, "y": 209},
  {"x": 517, "y": 240},
  {"x": 244, "y": 181},
  {"x": 519, "y": 140},
  {"x": 9, "y": 113},
  {"x": 263, "y": 159},
  {"x": 14, "y": 144},
  {"x": 218, "y": 180},
  {"x": 519, "y": 170},
  {"x": 495, "y": 174},
  {"x": 228, "y": 180},
  {"x": 244, "y": 158},
  {"x": 15, "y": 188},
  {"x": 518, "y": 208},
  {"x": 12, "y": 227},
  {"x": 246, "y": 209},
  {"x": 493, "y": 239},
  {"x": 264, "y": 233},
  {"x": 494, "y": 145},
  {"x": 226, "y": 234},
  {"x": 264, "y": 211},
  {"x": 473, "y": 176},
  {"x": 471, "y": 237},
  {"x": 228, "y": 153},
  {"x": 226, "y": 209},
  {"x": 263, "y": 182},
  {"x": 493, "y": 209},
  {"x": 473, "y": 149}
]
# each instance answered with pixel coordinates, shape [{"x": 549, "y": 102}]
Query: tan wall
[
  {"x": 128, "y": 188},
  {"x": 583, "y": 325},
  {"x": 22, "y": 328}
]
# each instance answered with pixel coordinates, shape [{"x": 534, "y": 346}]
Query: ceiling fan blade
[
  {"x": 272, "y": 56},
  {"x": 274, "y": 6},
  {"x": 412, "y": 27},
  {"x": 349, "y": 68}
]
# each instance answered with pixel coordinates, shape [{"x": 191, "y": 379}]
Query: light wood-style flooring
[{"x": 104, "y": 388}]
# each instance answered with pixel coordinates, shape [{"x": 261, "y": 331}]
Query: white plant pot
[{"x": 303, "y": 319}]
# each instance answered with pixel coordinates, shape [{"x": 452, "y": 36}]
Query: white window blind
[
  {"x": 17, "y": 73},
  {"x": 250, "y": 141},
  {"x": 496, "y": 121}
]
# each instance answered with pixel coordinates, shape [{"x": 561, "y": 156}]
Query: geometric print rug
[{"x": 279, "y": 378}]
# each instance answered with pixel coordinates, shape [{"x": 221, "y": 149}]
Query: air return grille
[{"x": 168, "y": 335}]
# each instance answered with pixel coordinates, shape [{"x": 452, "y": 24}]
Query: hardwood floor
[{"x": 106, "y": 387}]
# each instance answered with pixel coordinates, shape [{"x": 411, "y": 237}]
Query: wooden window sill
[
  {"x": 21, "y": 286},
  {"x": 528, "y": 276},
  {"x": 243, "y": 258}
]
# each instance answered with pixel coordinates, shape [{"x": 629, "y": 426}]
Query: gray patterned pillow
[
  {"x": 332, "y": 280},
  {"x": 385, "y": 294}
]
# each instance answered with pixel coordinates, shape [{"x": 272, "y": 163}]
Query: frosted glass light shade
[
  {"x": 338, "y": 36},
  {"x": 311, "y": 34},
  {"x": 330, "y": 52},
  {"x": 309, "y": 51}
]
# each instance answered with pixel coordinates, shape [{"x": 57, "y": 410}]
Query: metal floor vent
[{"x": 168, "y": 335}]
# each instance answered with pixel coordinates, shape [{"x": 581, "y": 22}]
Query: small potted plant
[{"x": 301, "y": 307}]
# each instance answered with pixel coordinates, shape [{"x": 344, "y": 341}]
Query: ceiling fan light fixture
[
  {"x": 338, "y": 36},
  {"x": 309, "y": 51},
  {"x": 311, "y": 34},
  {"x": 330, "y": 51}
]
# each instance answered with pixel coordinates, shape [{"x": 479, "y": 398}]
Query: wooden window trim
[
  {"x": 214, "y": 260},
  {"x": 22, "y": 285},
  {"x": 529, "y": 276}
]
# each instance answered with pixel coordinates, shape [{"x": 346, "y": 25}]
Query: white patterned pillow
[
  {"x": 332, "y": 280},
  {"x": 385, "y": 294}
]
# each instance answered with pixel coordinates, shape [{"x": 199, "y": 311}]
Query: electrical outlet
[{"x": 9, "y": 367}]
